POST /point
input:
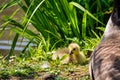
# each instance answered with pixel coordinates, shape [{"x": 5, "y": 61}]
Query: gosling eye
[{"x": 74, "y": 49}]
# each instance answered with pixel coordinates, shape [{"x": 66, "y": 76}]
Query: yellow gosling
[
  {"x": 76, "y": 56},
  {"x": 72, "y": 54}
]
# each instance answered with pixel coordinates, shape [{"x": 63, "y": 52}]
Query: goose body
[
  {"x": 72, "y": 54},
  {"x": 105, "y": 60}
]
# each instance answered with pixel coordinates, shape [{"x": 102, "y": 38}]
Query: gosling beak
[{"x": 70, "y": 52}]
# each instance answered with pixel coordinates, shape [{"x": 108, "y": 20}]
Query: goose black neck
[{"x": 116, "y": 13}]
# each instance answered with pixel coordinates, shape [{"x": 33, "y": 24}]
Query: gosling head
[{"x": 74, "y": 48}]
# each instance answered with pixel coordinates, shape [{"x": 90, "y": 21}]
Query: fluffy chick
[
  {"x": 76, "y": 56},
  {"x": 72, "y": 53}
]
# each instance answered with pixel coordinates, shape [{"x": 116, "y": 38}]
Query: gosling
[{"x": 72, "y": 55}]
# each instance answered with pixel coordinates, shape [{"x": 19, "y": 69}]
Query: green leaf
[
  {"x": 83, "y": 9},
  {"x": 84, "y": 21}
]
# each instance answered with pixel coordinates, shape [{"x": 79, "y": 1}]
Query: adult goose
[{"x": 105, "y": 60}]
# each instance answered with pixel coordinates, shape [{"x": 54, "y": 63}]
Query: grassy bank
[{"x": 36, "y": 64}]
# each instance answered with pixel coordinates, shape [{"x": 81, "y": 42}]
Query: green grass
[
  {"x": 31, "y": 65},
  {"x": 57, "y": 20}
]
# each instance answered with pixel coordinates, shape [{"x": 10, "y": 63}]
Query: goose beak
[{"x": 70, "y": 52}]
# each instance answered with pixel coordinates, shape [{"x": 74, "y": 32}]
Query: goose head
[{"x": 113, "y": 25}]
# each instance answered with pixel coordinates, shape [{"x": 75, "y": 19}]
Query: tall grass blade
[
  {"x": 71, "y": 14},
  {"x": 9, "y": 4},
  {"x": 84, "y": 21},
  {"x": 83, "y": 9},
  {"x": 12, "y": 47},
  {"x": 32, "y": 14}
]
